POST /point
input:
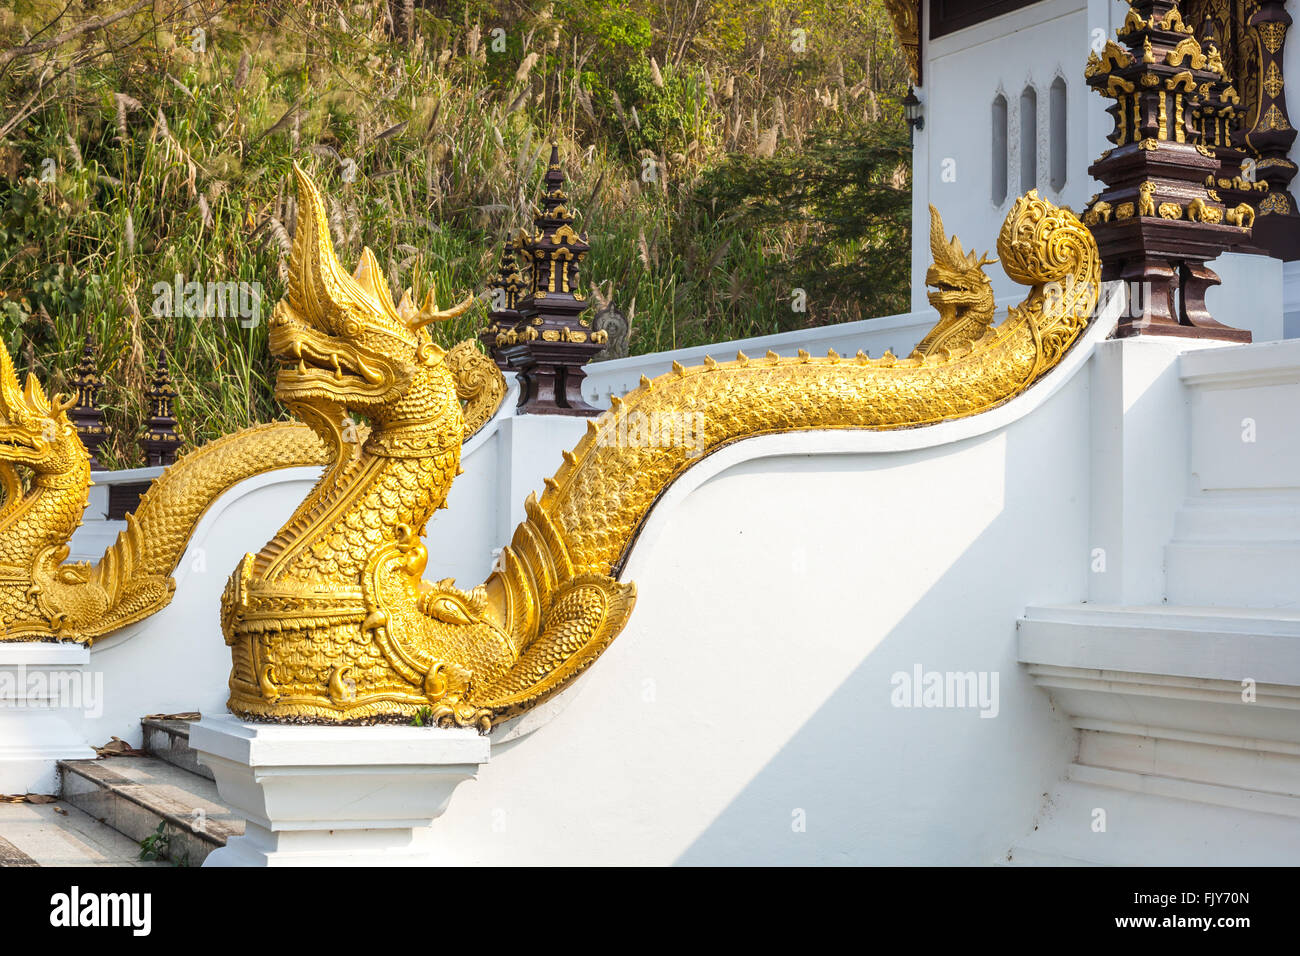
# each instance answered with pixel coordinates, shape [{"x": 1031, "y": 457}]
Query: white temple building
[{"x": 1005, "y": 110}]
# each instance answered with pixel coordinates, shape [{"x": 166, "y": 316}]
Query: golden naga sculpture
[
  {"x": 961, "y": 294},
  {"x": 44, "y": 599},
  {"x": 331, "y": 622}
]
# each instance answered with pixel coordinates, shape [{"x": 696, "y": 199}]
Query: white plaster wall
[
  {"x": 1244, "y": 438},
  {"x": 1139, "y": 464},
  {"x": 176, "y": 660},
  {"x": 1291, "y": 299},
  {"x": 782, "y": 582},
  {"x": 1237, "y": 538},
  {"x": 1250, "y": 296}
]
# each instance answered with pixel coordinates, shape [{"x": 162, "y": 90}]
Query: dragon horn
[
  {"x": 938, "y": 248},
  {"x": 10, "y": 391},
  {"x": 371, "y": 277},
  {"x": 35, "y": 395},
  {"x": 429, "y": 312},
  {"x": 319, "y": 286},
  {"x": 944, "y": 252}
]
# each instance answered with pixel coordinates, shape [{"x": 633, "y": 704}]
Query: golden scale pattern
[
  {"x": 316, "y": 641},
  {"x": 1039, "y": 244}
]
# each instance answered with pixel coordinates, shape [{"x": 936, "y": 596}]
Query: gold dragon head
[
  {"x": 342, "y": 344},
  {"x": 35, "y": 430},
  {"x": 957, "y": 277}
]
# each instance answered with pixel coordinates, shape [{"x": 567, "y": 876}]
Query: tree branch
[{"x": 92, "y": 24}]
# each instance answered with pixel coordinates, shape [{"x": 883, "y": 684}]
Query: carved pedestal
[
  {"x": 1170, "y": 265},
  {"x": 161, "y": 441},
  {"x": 334, "y": 796},
  {"x": 550, "y": 376},
  {"x": 86, "y": 415},
  {"x": 554, "y": 341}
]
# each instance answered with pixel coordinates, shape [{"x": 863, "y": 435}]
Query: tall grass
[{"x": 170, "y": 159}]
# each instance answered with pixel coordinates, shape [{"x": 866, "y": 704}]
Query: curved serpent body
[{"x": 331, "y": 621}]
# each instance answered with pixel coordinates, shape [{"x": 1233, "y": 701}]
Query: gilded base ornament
[
  {"x": 45, "y": 474},
  {"x": 331, "y": 621}
]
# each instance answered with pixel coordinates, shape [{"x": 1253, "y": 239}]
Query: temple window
[
  {"x": 1057, "y": 148},
  {"x": 1028, "y": 139},
  {"x": 999, "y": 159}
]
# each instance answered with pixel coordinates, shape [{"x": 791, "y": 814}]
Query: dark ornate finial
[
  {"x": 87, "y": 417},
  {"x": 503, "y": 314},
  {"x": 1159, "y": 219},
  {"x": 161, "y": 440},
  {"x": 554, "y": 341},
  {"x": 554, "y": 180},
  {"x": 1208, "y": 31}
]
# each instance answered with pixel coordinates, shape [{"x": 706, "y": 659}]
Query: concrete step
[
  {"x": 1250, "y": 574},
  {"x": 1145, "y": 829},
  {"x": 1189, "y": 748},
  {"x": 58, "y": 834},
  {"x": 1224, "y": 643},
  {"x": 168, "y": 738},
  {"x": 135, "y": 795}
]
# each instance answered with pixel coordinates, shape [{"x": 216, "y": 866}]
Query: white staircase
[
  {"x": 112, "y": 808},
  {"x": 1188, "y": 711},
  {"x": 1237, "y": 535}
]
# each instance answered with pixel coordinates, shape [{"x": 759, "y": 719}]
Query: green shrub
[{"x": 174, "y": 161}]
